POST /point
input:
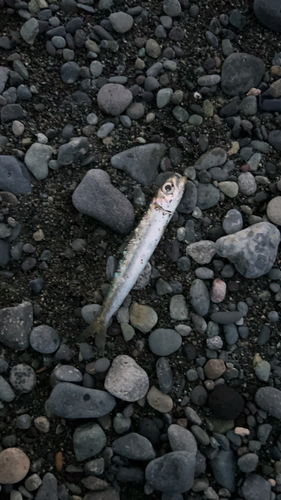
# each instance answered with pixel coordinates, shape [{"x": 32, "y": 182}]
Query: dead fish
[{"x": 138, "y": 252}]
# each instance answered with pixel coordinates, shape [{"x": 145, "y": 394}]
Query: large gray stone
[
  {"x": 134, "y": 446},
  {"x": 224, "y": 467},
  {"x": 174, "y": 472},
  {"x": 126, "y": 379},
  {"x": 30, "y": 30},
  {"x": 199, "y": 297},
  {"x": 74, "y": 150},
  {"x": 15, "y": 326},
  {"x": 88, "y": 441},
  {"x": 11, "y": 112},
  {"x": 73, "y": 401},
  {"x": 241, "y": 72},
  {"x": 4, "y": 73},
  {"x": 114, "y": 98},
  {"x": 212, "y": 158},
  {"x": 181, "y": 439},
  {"x": 268, "y": 13},
  {"x": 141, "y": 162},
  {"x": 4, "y": 253},
  {"x": 189, "y": 199},
  {"x": 256, "y": 487},
  {"x": 269, "y": 400},
  {"x": 252, "y": 250},
  {"x": 164, "y": 341},
  {"x": 97, "y": 197},
  {"x": 121, "y": 21},
  {"x": 49, "y": 488},
  {"x": 207, "y": 196}
]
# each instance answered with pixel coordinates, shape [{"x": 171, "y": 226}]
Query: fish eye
[{"x": 168, "y": 188}]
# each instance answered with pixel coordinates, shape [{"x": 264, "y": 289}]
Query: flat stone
[
  {"x": 256, "y": 487},
  {"x": 174, "y": 472},
  {"x": 164, "y": 341},
  {"x": 181, "y": 439},
  {"x": 233, "y": 221},
  {"x": 178, "y": 308},
  {"x": 4, "y": 74},
  {"x": 23, "y": 378},
  {"x": 212, "y": 158},
  {"x": 159, "y": 401},
  {"x": 207, "y": 196},
  {"x": 274, "y": 139},
  {"x": 241, "y": 72},
  {"x": 268, "y": 13},
  {"x": 144, "y": 318},
  {"x": 163, "y": 97},
  {"x": 44, "y": 339},
  {"x": 11, "y": 112},
  {"x": 48, "y": 489},
  {"x": 70, "y": 72},
  {"x": 121, "y": 22},
  {"x": 172, "y": 8},
  {"x": 229, "y": 188},
  {"x": 134, "y": 446},
  {"x": 141, "y": 162},
  {"x": 263, "y": 237},
  {"x": 15, "y": 326},
  {"x": 189, "y": 199},
  {"x": 14, "y": 465},
  {"x": 114, "y": 98},
  {"x": 30, "y": 30},
  {"x": 126, "y": 379},
  {"x": 95, "y": 194},
  {"x": 36, "y": 159},
  {"x": 202, "y": 251},
  {"x": 88, "y": 441},
  {"x": 6, "y": 392},
  {"x": 74, "y": 150},
  {"x": 273, "y": 210},
  {"x": 269, "y": 400},
  {"x": 199, "y": 297},
  {"x": 73, "y": 401},
  {"x": 224, "y": 468}
]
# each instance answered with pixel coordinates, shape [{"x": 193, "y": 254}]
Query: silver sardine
[{"x": 138, "y": 252}]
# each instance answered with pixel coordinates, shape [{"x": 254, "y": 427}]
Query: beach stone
[
  {"x": 14, "y": 465},
  {"x": 44, "y": 339},
  {"x": 212, "y": 158},
  {"x": 88, "y": 441},
  {"x": 164, "y": 375},
  {"x": 15, "y": 326},
  {"x": 126, "y": 379},
  {"x": 73, "y": 401},
  {"x": 11, "y": 112},
  {"x": 36, "y": 160},
  {"x": 121, "y": 22},
  {"x": 273, "y": 210},
  {"x": 159, "y": 401},
  {"x": 229, "y": 188},
  {"x": 141, "y": 162},
  {"x": 113, "y": 99},
  {"x": 218, "y": 291},
  {"x": 224, "y": 468},
  {"x": 134, "y": 446},
  {"x": 268, "y": 13},
  {"x": 226, "y": 317},
  {"x": 199, "y": 297},
  {"x": 135, "y": 111},
  {"x": 199, "y": 395},
  {"x": 241, "y": 72},
  {"x": 74, "y": 150},
  {"x": 163, "y": 97},
  {"x": 4, "y": 254},
  {"x": 6, "y": 392},
  {"x": 30, "y": 30},
  {"x": 172, "y": 8},
  {"x": 164, "y": 341},
  {"x": 247, "y": 183},
  {"x": 105, "y": 130},
  {"x": 274, "y": 138},
  {"x": 70, "y": 72},
  {"x": 180, "y": 114},
  {"x": 189, "y": 199},
  {"x": 178, "y": 308},
  {"x": 4, "y": 74},
  {"x": 248, "y": 463},
  {"x": 95, "y": 194},
  {"x": 96, "y": 69},
  {"x": 269, "y": 400},
  {"x": 233, "y": 221},
  {"x": 214, "y": 368},
  {"x": 263, "y": 237},
  {"x": 49, "y": 488},
  {"x": 202, "y": 251},
  {"x": 207, "y": 196},
  {"x": 144, "y": 318},
  {"x": 174, "y": 472},
  {"x": 181, "y": 439},
  {"x": 225, "y": 402},
  {"x": 255, "y": 487},
  {"x": 23, "y": 378}
]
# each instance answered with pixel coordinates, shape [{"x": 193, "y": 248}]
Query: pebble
[
  {"x": 88, "y": 440},
  {"x": 237, "y": 248},
  {"x": 121, "y": 22},
  {"x": 199, "y": 297},
  {"x": 72, "y": 401},
  {"x": 6, "y": 392},
  {"x": 247, "y": 184},
  {"x": 218, "y": 291},
  {"x": 241, "y": 72},
  {"x": 202, "y": 251},
  {"x": 14, "y": 465},
  {"x": 44, "y": 339},
  {"x": 12, "y": 178},
  {"x": 126, "y": 379},
  {"x": 164, "y": 341},
  {"x": 174, "y": 472},
  {"x": 143, "y": 318},
  {"x": 164, "y": 375},
  {"x": 23, "y": 378},
  {"x": 15, "y": 325},
  {"x": 233, "y": 221},
  {"x": 42, "y": 424},
  {"x": 49, "y": 487},
  {"x": 178, "y": 308},
  {"x": 248, "y": 463},
  {"x": 159, "y": 401},
  {"x": 224, "y": 468},
  {"x": 96, "y": 185},
  {"x": 225, "y": 402},
  {"x": 255, "y": 487},
  {"x": 163, "y": 97},
  {"x": 214, "y": 368},
  {"x": 273, "y": 210},
  {"x": 268, "y": 14},
  {"x": 113, "y": 99},
  {"x": 134, "y": 446}
]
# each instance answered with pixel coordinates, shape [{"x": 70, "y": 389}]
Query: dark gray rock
[
  {"x": 114, "y": 98},
  {"x": 23, "y": 378},
  {"x": 164, "y": 341},
  {"x": 181, "y": 439},
  {"x": 74, "y": 150},
  {"x": 6, "y": 392},
  {"x": 268, "y": 13},
  {"x": 73, "y": 401},
  {"x": 199, "y": 297},
  {"x": 212, "y": 158},
  {"x": 70, "y": 72},
  {"x": 207, "y": 196},
  {"x": 48, "y": 489},
  {"x": 224, "y": 467},
  {"x": 4, "y": 74},
  {"x": 11, "y": 112},
  {"x": 88, "y": 441},
  {"x": 12, "y": 177},
  {"x": 241, "y": 72},
  {"x": 189, "y": 199},
  {"x": 164, "y": 375},
  {"x": 256, "y": 487},
  {"x": 15, "y": 326},
  {"x": 44, "y": 339},
  {"x": 252, "y": 250},
  {"x": 174, "y": 472},
  {"x": 4, "y": 253},
  {"x": 134, "y": 446},
  {"x": 226, "y": 317},
  {"x": 95, "y": 196},
  {"x": 274, "y": 139},
  {"x": 269, "y": 400},
  {"x": 141, "y": 162}
]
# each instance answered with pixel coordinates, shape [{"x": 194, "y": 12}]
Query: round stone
[
  {"x": 44, "y": 339},
  {"x": 214, "y": 368},
  {"x": 226, "y": 403},
  {"x": 273, "y": 210},
  {"x": 159, "y": 401},
  {"x": 126, "y": 379},
  {"x": 14, "y": 465},
  {"x": 23, "y": 378},
  {"x": 70, "y": 72},
  {"x": 144, "y": 318},
  {"x": 114, "y": 98},
  {"x": 164, "y": 341}
]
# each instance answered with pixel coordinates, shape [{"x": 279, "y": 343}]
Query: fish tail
[{"x": 98, "y": 328}]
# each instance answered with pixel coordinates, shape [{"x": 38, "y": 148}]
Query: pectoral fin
[{"x": 98, "y": 328}]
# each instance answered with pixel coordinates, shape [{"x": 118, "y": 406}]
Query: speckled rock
[
  {"x": 174, "y": 472},
  {"x": 269, "y": 400},
  {"x": 15, "y": 326},
  {"x": 241, "y": 72},
  {"x": 114, "y": 98},
  {"x": 14, "y": 465},
  {"x": 126, "y": 379},
  {"x": 252, "y": 250},
  {"x": 144, "y": 318}
]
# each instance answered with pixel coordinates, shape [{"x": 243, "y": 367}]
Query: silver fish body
[{"x": 138, "y": 252}]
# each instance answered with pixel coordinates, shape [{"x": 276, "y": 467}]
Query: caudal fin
[{"x": 98, "y": 328}]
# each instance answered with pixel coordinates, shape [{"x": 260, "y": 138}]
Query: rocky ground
[{"x": 100, "y": 101}]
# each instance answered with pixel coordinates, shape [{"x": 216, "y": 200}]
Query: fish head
[{"x": 170, "y": 194}]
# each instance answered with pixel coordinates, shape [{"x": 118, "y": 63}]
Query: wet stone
[
  {"x": 15, "y": 326},
  {"x": 126, "y": 379},
  {"x": 164, "y": 375},
  {"x": 44, "y": 339},
  {"x": 164, "y": 342},
  {"x": 134, "y": 446},
  {"x": 23, "y": 378},
  {"x": 174, "y": 472},
  {"x": 88, "y": 441}
]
